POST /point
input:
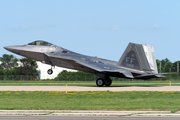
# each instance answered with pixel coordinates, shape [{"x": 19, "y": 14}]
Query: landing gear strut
[{"x": 103, "y": 81}]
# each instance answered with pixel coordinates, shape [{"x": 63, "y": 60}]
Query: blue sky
[{"x": 101, "y": 28}]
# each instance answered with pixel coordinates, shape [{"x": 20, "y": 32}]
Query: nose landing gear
[{"x": 50, "y": 71}]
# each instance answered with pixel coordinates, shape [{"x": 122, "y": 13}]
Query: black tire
[
  {"x": 100, "y": 82},
  {"x": 108, "y": 82},
  {"x": 50, "y": 71}
]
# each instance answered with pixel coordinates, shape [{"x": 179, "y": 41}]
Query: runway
[
  {"x": 89, "y": 88},
  {"x": 83, "y": 118}
]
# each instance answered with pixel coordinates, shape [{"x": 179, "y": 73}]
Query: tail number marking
[{"x": 129, "y": 62}]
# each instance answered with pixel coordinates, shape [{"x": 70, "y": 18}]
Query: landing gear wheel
[
  {"x": 108, "y": 82},
  {"x": 50, "y": 71},
  {"x": 100, "y": 82}
]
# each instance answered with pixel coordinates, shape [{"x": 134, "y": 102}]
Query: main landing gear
[
  {"x": 50, "y": 71},
  {"x": 103, "y": 81}
]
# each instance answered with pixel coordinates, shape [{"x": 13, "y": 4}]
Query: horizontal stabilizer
[{"x": 148, "y": 76}]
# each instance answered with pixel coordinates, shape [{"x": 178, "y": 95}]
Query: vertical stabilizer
[
  {"x": 150, "y": 55},
  {"x": 139, "y": 57}
]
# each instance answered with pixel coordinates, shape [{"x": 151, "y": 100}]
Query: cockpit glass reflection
[{"x": 41, "y": 43}]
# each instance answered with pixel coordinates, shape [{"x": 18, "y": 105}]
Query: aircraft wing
[
  {"x": 94, "y": 65},
  {"x": 105, "y": 68}
]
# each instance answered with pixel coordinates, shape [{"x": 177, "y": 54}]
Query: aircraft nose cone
[{"x": 9, "y": 48}]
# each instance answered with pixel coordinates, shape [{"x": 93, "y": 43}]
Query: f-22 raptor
[{"x": 137, "y": 62}]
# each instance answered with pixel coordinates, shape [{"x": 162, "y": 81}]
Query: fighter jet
[{"x": 137, "y": 62}]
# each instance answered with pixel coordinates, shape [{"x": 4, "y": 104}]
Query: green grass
[
  {"x": 89, "y": 83},
  {"x": 135, "y": 100}
]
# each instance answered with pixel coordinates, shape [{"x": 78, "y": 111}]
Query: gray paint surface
[{"x": 137, "y": 62}]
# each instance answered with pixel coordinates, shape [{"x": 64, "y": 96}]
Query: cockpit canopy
[{"x": 41, "y": 43}]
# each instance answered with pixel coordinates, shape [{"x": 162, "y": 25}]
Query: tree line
[
  {"x": 10, "y": 65},
  {"x": 75, "y": 76},
  {"x": 165, "y": 65}
]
